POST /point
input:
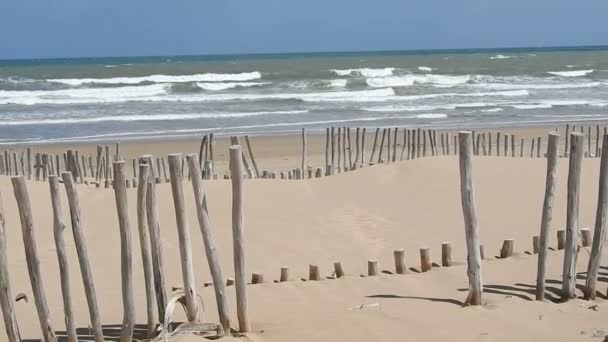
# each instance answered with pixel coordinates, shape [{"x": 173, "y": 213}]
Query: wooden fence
[
  {"x": 345, "y": 150},
  {"x": 159, "y": 305}
]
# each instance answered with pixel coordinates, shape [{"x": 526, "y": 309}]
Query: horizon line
[{"x": 320, "y": 53}]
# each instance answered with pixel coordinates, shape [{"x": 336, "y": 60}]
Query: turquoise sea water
[{"x": 139, "y": 97}]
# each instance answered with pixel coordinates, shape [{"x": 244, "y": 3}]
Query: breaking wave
[{"x": 209, "y": 77}]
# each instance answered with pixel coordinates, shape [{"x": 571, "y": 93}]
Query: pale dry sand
[{"x": 352, "y": 218}]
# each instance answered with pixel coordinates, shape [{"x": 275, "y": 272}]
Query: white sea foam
[
  {"x": 431, "y": 116},
  {"x": 425, "y": 68},
  {"x": 83, "y": 95},
  {"x": 160, "y": 93},
  {"x": 338, "y": 83},
  {"x": 408, "y": 80},
  {"x": 228, "y": 85},
  {"x": 550, "y": 103},
  {"x": 571, "y": 73},
  {"x": 365, "y": 72},
  {"x": 507, "y": 93},
  {"x": 532, "y": 106},
  {"x": 208, "y": 77},
  {"x": 492, "y": 110},
  {"x": 507, "y": 86},
  {"x": 151, "y": 117},
  {"x": 501, "y": 57}
]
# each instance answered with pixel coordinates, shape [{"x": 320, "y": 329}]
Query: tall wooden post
[
  {"x": 599, "y": 234},
  {"x": 144, "y": 244},
  {"x": 303, "y": 167},
  {"x": 210, "y": 250},
  {"x": 545, "y": 223},
  {"x": 6, "y": 296},
  {"x": 126, "y": 267},
  {"x": 155, "y": 240},
  {"x": 327, "y": 151},
  {"x": 62, "y": 258},
  {"x": 183, "y": 233},
  {"x": 83, "y": 256},
  {"x": 574, "y": 179},
  {"x": 238, "y": 235},
  {"x": 470, "y": 218},
  {"x": 31, "y": 257}
]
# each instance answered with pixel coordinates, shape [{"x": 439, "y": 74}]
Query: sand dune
[{"x": 352, "y": 218}]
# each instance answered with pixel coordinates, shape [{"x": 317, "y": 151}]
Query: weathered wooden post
[
  {"x": 399, "y": 256},
  {"x": 446, "y": 254},
  {"x": 545, "y": 222},
  {"x": 183, "y": 233},
  {"x": 83, "y": 255},
  {"x": 144, "y": 243},
  {"x": 425, "y": 260},
  {"x": 363, "y": 133},
  {"x": 599, "y": 234},
  {"x": 566, "y": 145},
  {"x": 374, "y": 145},
  {"x": 313, "y": 273},
  {"x": 467, "y": 194},
  {"x": 507, "y": 248},
  {"x": 252, "y": 156},
  {"x": 31, "y": 256},
  {"x": 303, "y": 167},
  {"x": 210, "y": 249},
  {"x": 574, "y": 179},
  {"x": 535, "y": 244},
  {"x": 284, "y": 274},
  {"x": 126, "y": 267},
  {"x": 381, "y": 148},
  {"x": 327, "y": 172},
  {"x": 333, "y": 152},
  {"x": 512, "y": 145},
  {"x": 357, "y": 147},
  {"x": 338, "y": 270},
  {"x": 62, "y": 258},
  {"x": 6, "y": 296},
  {"x": 372, "y": 268},
  {"x": 155, "y": 240},
  {"x": 238, "y": 236}
]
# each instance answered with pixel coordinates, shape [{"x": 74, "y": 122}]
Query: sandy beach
[{"x": 352, "y": 218}]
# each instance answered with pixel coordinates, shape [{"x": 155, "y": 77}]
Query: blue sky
[{"x": 80, "y": 28}]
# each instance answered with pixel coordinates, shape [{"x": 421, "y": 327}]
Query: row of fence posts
[
  {"x": 151, "y": 250},
  {"x": 151, "y": 244},
  {"x": 570, "y": 244},
  {"x": 343, "y": 153}
]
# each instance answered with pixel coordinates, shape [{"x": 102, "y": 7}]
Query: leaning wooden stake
[
  {"x": 83, "y": 255},
  {"x": 545, "y": 222},
  {"x": 210, "y": 250},
  {"x": 126, "y": 267},
  {"x": 252, "y": 156},
  {"x": 467, "y": 194},
  {"x": 599, "y": 234},
  {"x": 6, "y": 296},
  {"x": 144, "y": 245},
  {"x": 238, "y": 235},
  {"x": 31, "y": 256},
  {"x": 155, "y": 241},
  {"x": 183, "y": 233},
  {"x": 62, "y": 258},
  {"x": 574, "y": 180}
]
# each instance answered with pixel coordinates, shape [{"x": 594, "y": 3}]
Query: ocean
[{"x": 59, "y": 100}]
